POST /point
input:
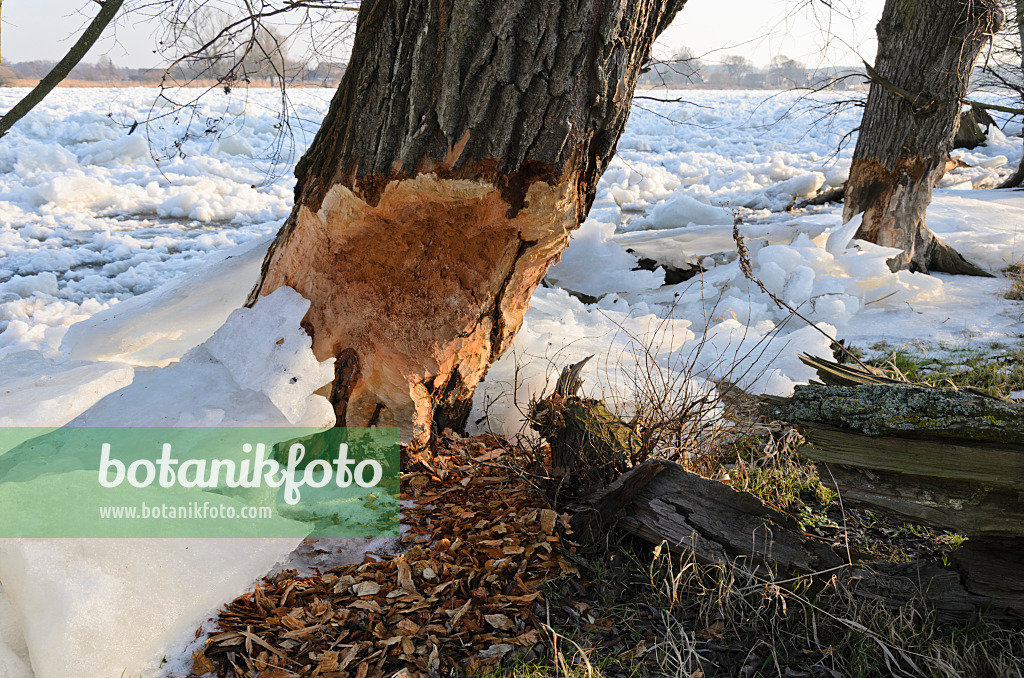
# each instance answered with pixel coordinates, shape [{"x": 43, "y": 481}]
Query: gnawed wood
[
  {"x": 926, "y": 52},
  {"x": 464, "y": 144}
]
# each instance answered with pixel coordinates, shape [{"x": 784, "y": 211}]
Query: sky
[{"x": 759, "y": 29}]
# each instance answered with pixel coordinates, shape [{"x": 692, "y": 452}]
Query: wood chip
[{"x": 201, "y": 665}]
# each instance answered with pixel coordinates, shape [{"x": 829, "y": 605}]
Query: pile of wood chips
[{"x": 464, "y": 596}]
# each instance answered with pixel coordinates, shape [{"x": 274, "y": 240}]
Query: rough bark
[
  {"x": 588, "y": 443},
  {"x": 464, "y": 144},
  {"x": 1017, "y": 178},
  {"x": 906, "y": 410},
  {"x": 92, "y": 33},
  {"x": 926, "y": 52},
  {"x": 715, "y": 522}
]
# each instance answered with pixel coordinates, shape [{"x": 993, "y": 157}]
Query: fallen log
[
  {"x": 949, "y": 459},
  {"x": 716, "y": 523},
  {"x": 664, "y": 504},
  {"x": 907, "y": 410}
]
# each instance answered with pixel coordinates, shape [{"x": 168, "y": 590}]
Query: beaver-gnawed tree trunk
[
  {"x": 926, "y": 52},
  {"x": 463, "y": 146}
]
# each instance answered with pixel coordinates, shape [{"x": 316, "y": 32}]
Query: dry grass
[
  {"x": 680, "y": 619},
  {"x": 1015, "y": 280}
]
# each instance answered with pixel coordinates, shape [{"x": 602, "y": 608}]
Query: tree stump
[{"x": 588, "y": 442}]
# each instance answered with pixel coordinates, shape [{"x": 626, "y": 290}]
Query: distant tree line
[
  {"x": 686, "y": 70},
  {"x": 104, "y": 70}
]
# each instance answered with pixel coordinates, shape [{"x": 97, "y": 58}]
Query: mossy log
[
  {"x": 948, "y": 459},
  {"x": 944, "y": 458},
  {"x": 906, "y": 410}
]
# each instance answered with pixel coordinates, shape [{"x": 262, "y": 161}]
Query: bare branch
[{"x": 92, "y": 33}]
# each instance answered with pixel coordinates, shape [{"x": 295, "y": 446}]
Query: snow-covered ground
[{"x": 89, "y": 224}]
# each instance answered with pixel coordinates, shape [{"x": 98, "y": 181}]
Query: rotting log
[
  {"x": 463, "y": 146},
  {"x": 934, "y": 456},
  {"x": 712, "y": 520},
  {"x": 664, "y": 504}
]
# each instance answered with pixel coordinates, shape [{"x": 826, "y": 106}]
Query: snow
[
  {"x": 271, "y": 383},
  {"x": 122, "y": 282},
  {"x": 100, "y": 607}
]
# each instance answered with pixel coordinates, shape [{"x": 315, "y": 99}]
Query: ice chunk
[
  {"x": 261, "y": 372},
  {"x": 37, "y": 391},
  {"x": 799, "y": 286},
  {"x": 596, "y": 266},
  {"x": 158, "y": 327},
  {"x": 265, "y": 349},
  {"x": 839, "y": 237},
  {"x": 681, "y": 210},
  {"x": 37, "y": 157}
]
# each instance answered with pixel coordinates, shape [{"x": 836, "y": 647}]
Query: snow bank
[
  {"x": 741, "y": 334},
  {"x": 258, "y": 369},
  {"x": 107, "y": 607},
  {"x": 158, "y": 328},
  {"x": 49, "y": 392}
]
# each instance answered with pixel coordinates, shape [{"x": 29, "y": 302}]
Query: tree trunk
[
  {"x": 464, "y": 144},
  {"x": 1017, "y": 178},
  {"x": 926, "y": 52}
]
